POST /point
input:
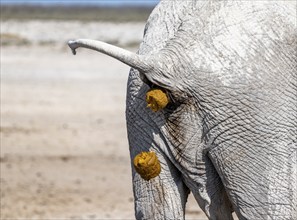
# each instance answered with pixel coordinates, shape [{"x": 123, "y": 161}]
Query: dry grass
[
  {"x": 12, "y": 39},
  {"x": 112, "y": 14}
]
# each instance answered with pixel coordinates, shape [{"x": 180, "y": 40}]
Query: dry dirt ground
[{"x": 64, "y": 150}]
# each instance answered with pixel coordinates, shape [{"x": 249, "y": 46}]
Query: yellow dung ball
[
  {"x": 156, "y": 99},
  {"x": 147, "y": 165}
]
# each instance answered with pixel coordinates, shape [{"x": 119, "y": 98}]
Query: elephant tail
[{"x": 131, "y": 59}]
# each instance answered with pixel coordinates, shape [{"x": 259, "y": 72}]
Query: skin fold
[{"x": 228, "y": 133}]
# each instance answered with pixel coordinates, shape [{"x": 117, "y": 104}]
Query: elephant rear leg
[
  {"x": 209, "y": 190},
  {"x": 261, "y": 185},
  {"x": 163, "y": 197}
]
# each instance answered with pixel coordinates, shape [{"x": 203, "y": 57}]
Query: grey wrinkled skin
[{"x": 229, "y": 132}]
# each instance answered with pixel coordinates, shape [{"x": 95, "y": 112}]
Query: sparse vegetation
[
  {"x": 7, "y": 39},
  {"x": 112, "y": 14}
]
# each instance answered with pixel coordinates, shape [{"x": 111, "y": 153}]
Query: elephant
[{"x": 228, "y": 132}]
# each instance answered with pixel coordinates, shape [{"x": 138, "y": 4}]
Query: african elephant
[{"x": 228, "y": 133}]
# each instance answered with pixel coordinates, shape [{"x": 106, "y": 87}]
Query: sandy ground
[{"x": 64, "y": 150}]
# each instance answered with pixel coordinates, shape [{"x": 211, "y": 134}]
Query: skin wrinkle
[
  {"x": 236, "y": 138},
  {"x": 244, "y": 116},
  {"x": 178, "y": 155},
  {"x": 140, "y": 127},
  {"x": 241, "y": 135},
  {"x": 205, "y": 133},
  {"x": 174, "y": 127}
]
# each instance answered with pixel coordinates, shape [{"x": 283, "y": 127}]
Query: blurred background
[{"x": 64, "y": 148}]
